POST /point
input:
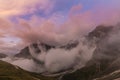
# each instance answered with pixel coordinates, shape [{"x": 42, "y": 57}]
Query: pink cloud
[
  {"x": 20, "y": 7},
  {"x": 45, "y": 30},
  {"x": 78, "y": 24}
]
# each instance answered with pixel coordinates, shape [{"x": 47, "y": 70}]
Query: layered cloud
[
  {"x": 78, "y": 21},
  {"x": 18, "y": 7}
]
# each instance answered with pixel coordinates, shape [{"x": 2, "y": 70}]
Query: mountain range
[{"x": 104, "y": 66}]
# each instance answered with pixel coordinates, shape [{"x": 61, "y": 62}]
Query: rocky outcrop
[{"x": 24, "y": 53}]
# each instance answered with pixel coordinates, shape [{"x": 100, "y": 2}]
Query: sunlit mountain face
[{"x": 57, "y": 37}]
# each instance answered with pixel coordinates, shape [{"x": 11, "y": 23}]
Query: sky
[{"x": 23, "y": 21}]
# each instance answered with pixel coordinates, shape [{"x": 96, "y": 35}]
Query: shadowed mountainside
[{"x": 105, "y": 59}]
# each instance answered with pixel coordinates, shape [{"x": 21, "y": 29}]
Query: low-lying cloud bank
[{"x": 56, "y": 59}]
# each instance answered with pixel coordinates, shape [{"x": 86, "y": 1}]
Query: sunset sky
[{"x": 22, "y": 20}]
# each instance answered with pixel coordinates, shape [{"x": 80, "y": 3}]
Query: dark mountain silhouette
[
  {"x": 2, "y": 55},
  {"x": 100, "y": 32},
  {"x": 24, "y": 53}
]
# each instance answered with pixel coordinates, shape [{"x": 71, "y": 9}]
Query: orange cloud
[{"x": 18, "y": 7}]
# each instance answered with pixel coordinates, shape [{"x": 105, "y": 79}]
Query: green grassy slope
[{"x": 10, "y": 72}]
